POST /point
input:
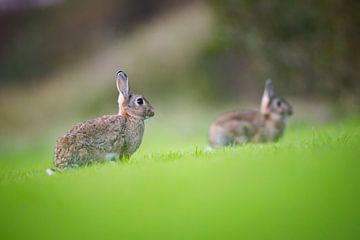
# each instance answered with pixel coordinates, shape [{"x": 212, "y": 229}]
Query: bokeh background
[{"x": 193, "y": 59}]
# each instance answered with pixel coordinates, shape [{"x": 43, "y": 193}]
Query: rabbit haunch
[
  {"x": 112, "y": 135},
  {"x": 266, "y": 125},
  {"x": 242, "y": 127},
  {"x": 92, "y": 140}
]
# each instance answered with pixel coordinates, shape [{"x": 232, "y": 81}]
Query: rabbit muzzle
[
  {"x": 149, "y": 113},
  {"x": 289, "y": 111}
]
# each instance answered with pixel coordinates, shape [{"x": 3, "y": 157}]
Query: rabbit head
[
  {"x": 274, "y": 106},
  {"x": 131, "y": 104}
]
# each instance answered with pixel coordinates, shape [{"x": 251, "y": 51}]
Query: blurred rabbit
[
  {"x": 109, "y": 137},
  {"x": 252, "y": 126}
]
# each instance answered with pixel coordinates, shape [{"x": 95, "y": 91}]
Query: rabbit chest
[
  {"x": 273, "y": 130},
  {"x": 133, "y": 135}
]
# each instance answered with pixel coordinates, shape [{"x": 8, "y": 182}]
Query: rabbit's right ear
[
  {"x": 122, "y": 83},
  {"x": 266, "y": 98},
  {"x": 123, "y": 88}
]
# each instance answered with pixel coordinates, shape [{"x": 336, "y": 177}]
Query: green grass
[{"x": 307, "y": 186}]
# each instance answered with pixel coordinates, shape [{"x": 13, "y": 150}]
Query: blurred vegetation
[
  {"x": 57, "y": 61},
  {"x": 37, "y": 41},
  {"x": 309, "y": 47}
]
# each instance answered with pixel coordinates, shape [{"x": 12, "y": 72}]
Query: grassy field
[{"x": 307, "y": 186}]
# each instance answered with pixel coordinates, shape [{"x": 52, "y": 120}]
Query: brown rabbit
[
  {"x": 108, "y": 137},
  {"x": 266, "y": 125}
]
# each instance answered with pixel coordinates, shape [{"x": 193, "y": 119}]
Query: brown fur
[
  {"x": 267, "y": 125},
  {"x": 91, "y": 141},
  {"x": 243, "y": 127}
]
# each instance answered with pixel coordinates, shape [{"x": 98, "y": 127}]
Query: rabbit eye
[
  {"x": 278, "y": 103},
  {"x": 140, "y": 101}
]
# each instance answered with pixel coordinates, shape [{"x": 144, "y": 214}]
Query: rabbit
[
  {"x": 266, "y": 125},
  {"x": 109, "y": 137}
]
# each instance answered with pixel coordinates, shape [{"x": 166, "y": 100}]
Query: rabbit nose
[{"x": 151, "y": 113}]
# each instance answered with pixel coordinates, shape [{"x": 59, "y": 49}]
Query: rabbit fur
[
  {"x": 109, "y": 137},
  {"x": 266, "y": 125}
]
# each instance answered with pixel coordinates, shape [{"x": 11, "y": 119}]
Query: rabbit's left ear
[{"x": 266, "y": 98}]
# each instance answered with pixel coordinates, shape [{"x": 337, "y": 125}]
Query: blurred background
[{"x": 192, "y": 59}]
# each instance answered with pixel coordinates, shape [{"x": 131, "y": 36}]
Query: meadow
[{"x": 307, "y": 186}]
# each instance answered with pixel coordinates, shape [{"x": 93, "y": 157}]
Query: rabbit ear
[
  {"x": 123, "y": 88},
  {"x": 122, "y": 83},
  {"x": 268, "y": 94}
]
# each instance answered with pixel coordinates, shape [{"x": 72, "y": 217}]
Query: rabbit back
[
  {"x": 233, "y": 128},
  {"x": 91, "y": 141},
  {"x": 241, "y": 127},
  {"x": 264, "y": 126}
]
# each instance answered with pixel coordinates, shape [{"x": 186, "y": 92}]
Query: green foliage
[
  {"x": 310, "y": 47},
  {"x": 304, "y": 187}
]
